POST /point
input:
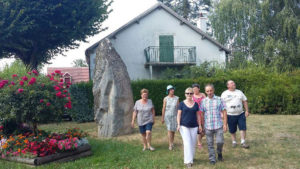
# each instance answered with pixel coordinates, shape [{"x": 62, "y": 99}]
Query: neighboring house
[
  {"x": 72, "y": 74},
  {"x": 160, "y": 38}
]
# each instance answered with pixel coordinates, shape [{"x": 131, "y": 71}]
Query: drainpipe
[{"x": 150, "y": 68}]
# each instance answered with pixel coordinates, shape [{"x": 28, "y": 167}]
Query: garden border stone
[{"x": 80, "y": 152}]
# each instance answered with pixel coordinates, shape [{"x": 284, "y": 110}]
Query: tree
[
  {"x": 79, "y": 63},
  {"x": 188, "y": 9},
  {"x": 265, "y": 31},
  {"x": 35, "y": 31}
]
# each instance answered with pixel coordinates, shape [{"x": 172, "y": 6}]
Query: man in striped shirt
[{"x": 212, "y": 107}]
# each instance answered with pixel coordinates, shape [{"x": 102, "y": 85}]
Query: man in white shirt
[{"x": 235, "y": 100}]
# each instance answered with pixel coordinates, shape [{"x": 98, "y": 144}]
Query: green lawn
[{"x": 274, "y": 141}]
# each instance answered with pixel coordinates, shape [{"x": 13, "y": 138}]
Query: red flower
[
  {"x": 41, "y": 101},
  {"x": 42, "y": 84},
  {"x": 25, "y": 78},
  {"x": 24, "y": 151},
  {"x": 61, "y": 80},
  {"x": 1, "y": 127},
  {"x": 32, "y": 81},
  {"x": 57, "y": 72},
  {"x": 35, "y": 72},
  {"x": 68, "y": 105},
  {"x": 20, "y": 90},
  {"x": 58, "y": 94},
  {"x": 29, "y": 73},
  {"x": 51, "y": 78},
  {"x": 12, "y": 83},
  {"x": 57, "y": 88},
  {"x": 21, "y": 83},
  {"x": 61, "y": 83},
  {"x": 4, "y": 81},
  {"x": 2, "y": 85},
  {"x": 14, "y": 75},
  {"x": 65, "y": 91},
  {"x": 48, "y": 104}
]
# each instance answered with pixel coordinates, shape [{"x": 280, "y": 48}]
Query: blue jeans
[
  {"x": 210, "y": 142},
  {"x": 146, "y": 127}
]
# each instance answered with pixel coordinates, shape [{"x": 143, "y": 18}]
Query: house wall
[
  {"x": 131, "y": 42},
  {"x": 92, "y": 63}
]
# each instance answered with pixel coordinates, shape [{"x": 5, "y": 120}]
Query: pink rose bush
[{"x": 33, "y": 98}]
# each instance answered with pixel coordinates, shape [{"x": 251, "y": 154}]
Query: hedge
[
  {"x": 267, "y": 92},
  {"x": 82, "y": 102}
]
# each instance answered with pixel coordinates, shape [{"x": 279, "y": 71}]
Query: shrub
[
  {"x": 31, "y": 98},
  {"x": 268, "y": 92},
  {"x": 82, "y": 101}
]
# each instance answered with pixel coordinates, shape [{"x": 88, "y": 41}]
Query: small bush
[{"x": 32, "y": 98}]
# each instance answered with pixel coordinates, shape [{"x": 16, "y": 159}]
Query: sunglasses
[{"x": 189, "y": 93}]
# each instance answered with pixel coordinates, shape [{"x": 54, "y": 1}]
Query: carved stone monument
[{"x": 113, "y": 99}]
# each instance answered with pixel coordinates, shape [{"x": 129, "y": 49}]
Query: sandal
[{"x": 151, "y": 148}]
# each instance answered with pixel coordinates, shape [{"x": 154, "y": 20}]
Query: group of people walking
[{"x": 198, "y": 115}]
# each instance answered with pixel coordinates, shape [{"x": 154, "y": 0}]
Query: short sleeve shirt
[
  {"x": 212, "y": 108},
  {"x": 188, "y": 115},
  {"x": 144, "y": 112},
  {"x": 234, "y": 101}
]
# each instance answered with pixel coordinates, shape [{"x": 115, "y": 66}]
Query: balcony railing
[{"x": 172, "y": 55}]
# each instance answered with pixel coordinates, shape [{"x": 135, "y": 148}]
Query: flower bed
[{"x": 44, "y": 147}]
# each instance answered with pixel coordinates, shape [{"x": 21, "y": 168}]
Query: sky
[{"x": 123, "y": 12}]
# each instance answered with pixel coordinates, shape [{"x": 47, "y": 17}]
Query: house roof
[
  {"x": 159, "y": 5},
  {"x": 78, "y": 74}
]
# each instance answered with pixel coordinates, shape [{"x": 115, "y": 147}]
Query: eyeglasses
[{"x": 189, "y": 93}]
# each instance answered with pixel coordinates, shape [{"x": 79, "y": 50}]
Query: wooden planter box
[{"x": 80, "y": 152}]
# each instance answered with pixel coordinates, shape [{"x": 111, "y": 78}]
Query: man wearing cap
[
  {"x": 169, "y": 114},
  {"x": 235, "y": 100}
]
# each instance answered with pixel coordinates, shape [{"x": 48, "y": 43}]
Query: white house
[{"x": 160, "y": 38}]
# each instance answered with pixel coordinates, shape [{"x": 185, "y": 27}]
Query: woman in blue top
[{"x": 188, "y": 123}]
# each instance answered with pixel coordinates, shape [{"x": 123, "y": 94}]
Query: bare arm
[
  {"x": 178, "y": 119},
  {"x": 133, "y": 119},
  {"x": 224, "y": 120},
  {"x": 163, "y": 111},
  {"x": 199, "y": 120},
  {"x": 245, "y": 103},
  {"x": 153, "y": 115}
]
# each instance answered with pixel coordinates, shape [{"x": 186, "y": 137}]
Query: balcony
[{"x": 170, "y": 55}]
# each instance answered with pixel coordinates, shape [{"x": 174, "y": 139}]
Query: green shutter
[{"x": 166, "y": 48}]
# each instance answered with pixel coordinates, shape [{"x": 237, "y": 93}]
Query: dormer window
[{"x": 67, "y": 78}]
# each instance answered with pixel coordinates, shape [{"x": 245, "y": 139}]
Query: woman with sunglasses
[
  {"x": 169, "y": 114},
  {"x": 188, "y": 123}
]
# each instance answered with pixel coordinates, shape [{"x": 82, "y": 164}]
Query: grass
[{"x": 274, "y": 141}]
